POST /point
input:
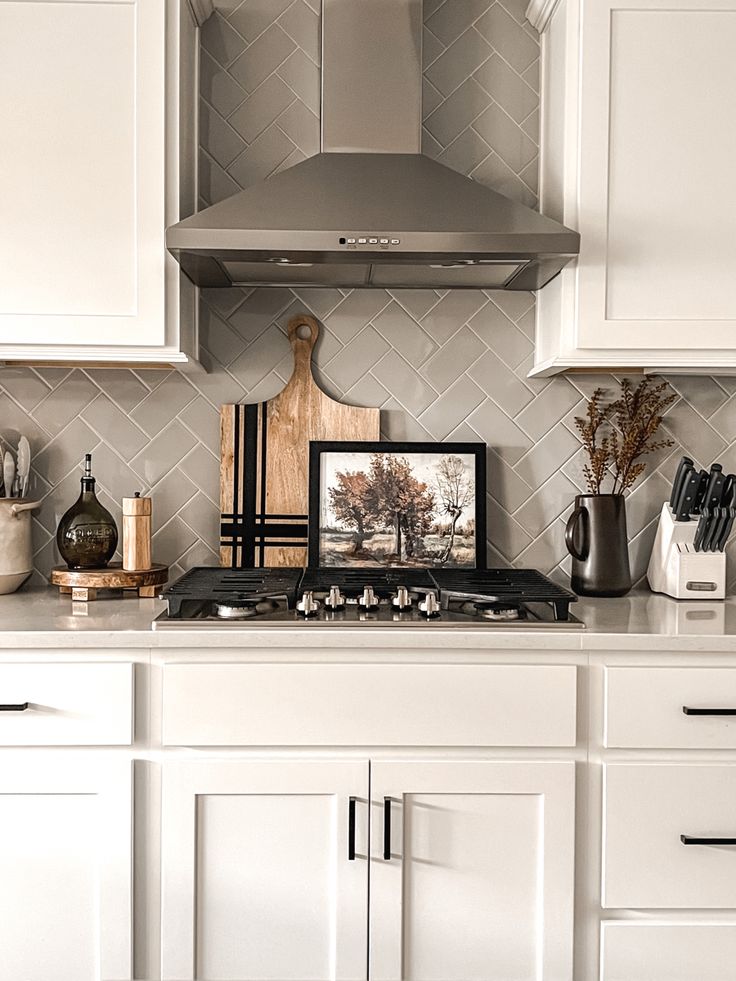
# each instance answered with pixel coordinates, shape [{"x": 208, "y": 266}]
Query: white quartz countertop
[{"x": 42, "y": 618}]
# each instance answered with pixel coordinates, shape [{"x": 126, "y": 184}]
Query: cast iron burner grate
[
  {"x": 506, "y": 586},
  {"x": 206, "y": 584}
]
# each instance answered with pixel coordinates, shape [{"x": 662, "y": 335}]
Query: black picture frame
[{"x": 318, "y": 448}]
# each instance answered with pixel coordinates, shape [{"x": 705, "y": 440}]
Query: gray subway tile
[
  {"x": 404, "y": 334},
  {"x": 262, "y": 58},
  {"x": 449, "y": 410},
  {"x": 114, "y": 427},
  {"x": 501, "y": 433},
  {"x": 406, "y": 384},
  {"x": 547, "y": 455},
  {"x": 459, "y": 61},
  {"x": 65, "y": 402}
]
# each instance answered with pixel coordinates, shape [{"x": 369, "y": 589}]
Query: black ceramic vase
[
  {"x": 596, "y": 538},
  {"x": 87, "y": 535}
]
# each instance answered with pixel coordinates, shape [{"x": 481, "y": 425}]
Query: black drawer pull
[
  {"x": 691, "y": 711},
  {"x": 689, "y": 840},
  {"x": 387, "y": 828},
  {"x": 21, "y": 707},
  {"x": 351, "y": 829}
]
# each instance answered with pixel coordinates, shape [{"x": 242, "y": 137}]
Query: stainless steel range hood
[{"x": 370, "y": 210}]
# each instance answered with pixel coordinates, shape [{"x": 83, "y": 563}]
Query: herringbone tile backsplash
[{"x": 441, "y": 365}]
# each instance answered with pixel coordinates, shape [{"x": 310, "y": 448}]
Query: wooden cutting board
[{"x": 264, "y": 464}]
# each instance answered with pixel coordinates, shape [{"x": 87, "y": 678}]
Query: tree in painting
[
  {"x": 352, "y": 503},
  {"x": 455, "y": 493},
  {"x": 400, "y": 500}
]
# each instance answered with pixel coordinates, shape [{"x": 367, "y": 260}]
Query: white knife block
[{"x": 676, "y": 569}]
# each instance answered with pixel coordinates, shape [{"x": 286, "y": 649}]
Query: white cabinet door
[
  {"x": 258, "y": 878},
  {"x": 83, "y": 100},
  {"x": 472, "y": 871},
  {"x": 639, "y": 156},
  {"x": 65, "y": 868}
]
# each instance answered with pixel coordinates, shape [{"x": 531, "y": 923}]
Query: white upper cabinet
[
  {"x": 638, "y": 154},
  {"x": 92, "y": 93}
]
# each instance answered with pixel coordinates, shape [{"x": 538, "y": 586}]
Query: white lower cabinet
[
  {"x": 472, "y": 871},
  {"x": 668, "y": 951},
  {"x": 260, "y": 879},
  {"x": 65, "y": 868},
  {"x": 266, "y": 872}
]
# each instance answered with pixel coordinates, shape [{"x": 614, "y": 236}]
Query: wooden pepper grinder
[{"x": 136, "y": 533}]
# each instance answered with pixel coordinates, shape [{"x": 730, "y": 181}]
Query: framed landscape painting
[{"x": 397, "y": 504}]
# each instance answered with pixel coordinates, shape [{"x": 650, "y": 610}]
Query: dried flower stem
[{"x": 617, "y": 435}]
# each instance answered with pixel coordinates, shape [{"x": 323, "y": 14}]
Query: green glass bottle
[{"x": 87, "y": 535}]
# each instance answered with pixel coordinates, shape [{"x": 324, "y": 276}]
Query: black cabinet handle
[
  {"x": 20, "y": 707},
  {"x": 691, "y": 711},
  {"x": 689, "y": 840},
  {"x": 387, "y": 828},
  {"x": 351, "y": 829}
]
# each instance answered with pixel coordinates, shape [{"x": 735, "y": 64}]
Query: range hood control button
[
  {"x": 362, "y": 241},
  {"x": 373, "y": 241},
  {"x": 384, "y": 241},
  {"x": 395, "y": 241},
  {"x": 351, "y": 241}
]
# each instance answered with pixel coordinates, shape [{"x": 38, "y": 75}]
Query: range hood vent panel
[{"x": 401, "y": 219}]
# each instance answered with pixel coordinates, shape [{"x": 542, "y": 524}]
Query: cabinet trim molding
[{"x": 539, "y": 12}]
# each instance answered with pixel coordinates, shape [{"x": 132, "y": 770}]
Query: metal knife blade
[
  {"x": 687, "y": 495},
  {"x": 726, "y": 529},
  {"x": 684, "y": 463},
  {"x": 711, "y": 536},
  {"x": 701, "y": 529},
  {"x": 715, "y": 486}
]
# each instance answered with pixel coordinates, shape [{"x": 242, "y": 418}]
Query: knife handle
[
  {"x": 729, "y": 487},
  {"x": 682, "y": 466},
  {"x": 714, "y": 529},
  {"x": 687, "y": 496},
  {"x": 727, "y": 529},
  {"x": 701, "y": 491},
  {"x": 715, "y": 487},
  {"x": 701, "y": 529}
]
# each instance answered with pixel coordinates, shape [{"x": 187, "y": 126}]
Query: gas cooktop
[{"x": 355, "y": 597}]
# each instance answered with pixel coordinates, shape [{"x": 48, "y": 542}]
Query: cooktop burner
[{"x": 212, "y": 598}]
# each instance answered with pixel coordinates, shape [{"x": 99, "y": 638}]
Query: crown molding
[
  {"x": 202, "y": 10},
  {"x": 538, "y": 13}
]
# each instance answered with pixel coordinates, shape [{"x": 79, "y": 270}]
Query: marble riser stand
[{"x": 676, "y": 569}]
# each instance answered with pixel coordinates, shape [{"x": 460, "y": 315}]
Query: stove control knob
[
  {"x": 402, "y": 599},
  {"x": 368, "y": 599},
  {"x": 308, "y": 605},
  {"x": 334, "y": 599},
  {"x": 429, "y": 607}
]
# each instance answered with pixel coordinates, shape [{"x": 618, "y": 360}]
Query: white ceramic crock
[{"x": 16, "y": 555}]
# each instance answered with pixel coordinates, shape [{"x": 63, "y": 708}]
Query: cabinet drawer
[
  {"x": 67, "y": 704},
  {"x": 644, "y": 708},
  {"x": 668, "y": 951},
  {"x": 368, "y": 705},
  {"x": 647, "y": 807}
]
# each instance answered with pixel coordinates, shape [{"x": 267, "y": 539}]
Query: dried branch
[
  {"x": 599, "y": 453},
  {"x": 620, "y": 433}
]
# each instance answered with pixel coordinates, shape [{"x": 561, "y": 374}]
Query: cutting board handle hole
[{"x": 304, "y": 332}]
